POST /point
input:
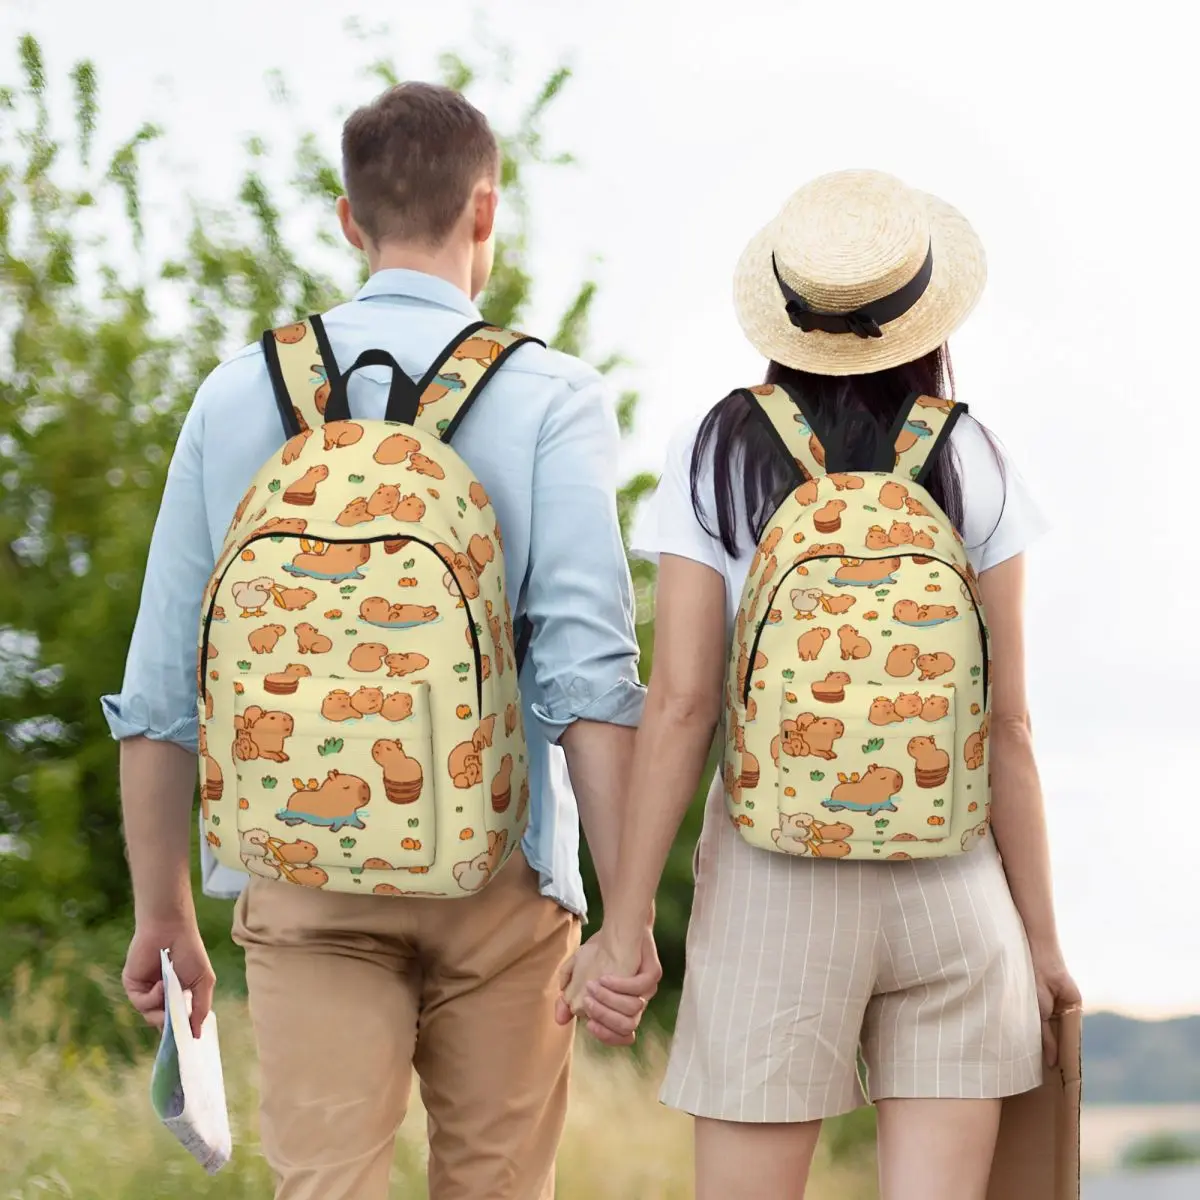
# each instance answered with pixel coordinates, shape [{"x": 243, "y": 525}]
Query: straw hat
[{"x": 857, "y": 273}]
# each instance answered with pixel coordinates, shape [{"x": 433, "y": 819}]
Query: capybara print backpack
[
  {"x": 856, "y": 700},
  {"x": 360, "y": 720}
]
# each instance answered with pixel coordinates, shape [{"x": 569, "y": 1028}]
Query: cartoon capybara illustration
[
  {"x": 828, "y": 518},
  {"x": 474, "y": 873},
  {"x": 481, "y": 552},
  {"x": 816, "y": 450},
  {"x": 213, "y": 787},
  {"x": 494, "y": 628},
  {"x": 441, "y": 386},
  {"x": 367, "y": 657},
  {"x": 837, "y": 605},
  {"x": 294, "y": 447},
  {"x": 399, "y": 665},
  {"x": 243, "y": 505},
  {"x": 935, "y": 665},
  {"x": 333, "y": 561},
  {"x": 310, "y": 876},
  {"x": 973, "y": 750},
  {"x": 502, "y": 785},
  {"x": 883, "y": 712},
  {"x": 847, "y": 483},
  {"x": 765, "y": 548},
  {"x": 975, "y": 835},
  {"x": 291, "y": 335},
  {"x": 375, "y": 610},
  {"x": 854, "y": 645},
  {"x": 806, "y": 493},
  {"x": 261, "y": 734},
  {"x": 821, "y": 550},
  {"x": 938, "y": 612},
  {"x": 264, "y": 640},
  {"x": 902, "y": 660},
  {"x": 916, "y": 508},
  {"x": 403, "y": 778},
  {"x": 333, "y": 804},
  {"x": 932, "y": 763},
  {"x": 872, "y": 794},
  {"x": 367, "y": 701},
  {"x": 810, "y": 644},
  {"x": 908, "y": 704},
  {"x": 465, "y": 763},
  {"x": 866, "y": 573},
  {"x": 477, "y": 495},
  {"x": 743, "y": 666},
  {"x": 397, "y": 706},
  {"x": 893, "y": 495},
  {"x": 395, "y": 449},
  {"x": 425, "y": 466},
  {"x": 900, "y": 533},
  {"x": 311, "y": 640},
  {"x": 807, "y": 735},
  {"x": 749, "y": 772},
  {"x": 285, "y": 682},
  {"x": 907, "y": 612},
  {"x": 922, "y": 540},
  {"x": 510, "y": 720},
  {"x": 768, "y": 573},
  {"x": 910, "y": 435},
  {"x": 304, "y": 490},
  {"x": 257, "y": 855},
  {"x": 277, "y": 526},
  {"x": 339, "y": 434},
  {"x": 832, "y": 689},
  {"x": 383, "y": 500},
  {"x": 294, "y": 599},
  {"x": 478, "y": 349},
  {"x": 935, "y": 708},
  {"x": 877, "y": 538},
  {"x": 337, "y": 707},
  {"x": 461, "y": 575}
]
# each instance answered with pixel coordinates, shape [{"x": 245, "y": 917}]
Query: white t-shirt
[{"x": 1000, "y": 518}]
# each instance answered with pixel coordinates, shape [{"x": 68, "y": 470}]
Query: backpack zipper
[
  {"x": 263, "y": 537},
  {"x": 877, "y": 558}
]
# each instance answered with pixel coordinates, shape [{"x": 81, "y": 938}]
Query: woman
[{"x": 935, "y": 969}]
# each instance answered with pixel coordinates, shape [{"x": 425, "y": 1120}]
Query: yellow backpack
[
  {"x": 856, "y": 699},
  {"x": 360, "y": 719}
]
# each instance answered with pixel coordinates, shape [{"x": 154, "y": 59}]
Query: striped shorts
[{"x": 797, "y": 968}]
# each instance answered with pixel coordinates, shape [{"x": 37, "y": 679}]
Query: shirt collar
[{"x": 416, "y": 285}]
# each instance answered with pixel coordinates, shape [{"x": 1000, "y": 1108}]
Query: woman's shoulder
[{"x": 1001, "y": 518}]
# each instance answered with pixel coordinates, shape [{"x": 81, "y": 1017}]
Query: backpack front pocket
[
  {"x": 861, "y": 767},
  {"x": 330, "y": 780}
]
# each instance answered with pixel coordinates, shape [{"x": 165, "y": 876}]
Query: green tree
[{"x": 93, "y": 386}]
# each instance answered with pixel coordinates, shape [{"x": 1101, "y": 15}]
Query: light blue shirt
[{"x": 542, "y": 439}]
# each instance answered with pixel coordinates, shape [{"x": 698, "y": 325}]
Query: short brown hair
[{"x": 410, "y": 159}]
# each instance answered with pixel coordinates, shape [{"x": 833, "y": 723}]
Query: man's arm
[
  {"x": 580, "y": 599},
  {"x": 155, "y": 718}
]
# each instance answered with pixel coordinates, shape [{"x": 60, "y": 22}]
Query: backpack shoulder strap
[
  {"x": 303, "y": 373},
  {"x": 784, "y": 416},
  {"x": 460, "y": 373},
  {"x": 922, "y": 429}
]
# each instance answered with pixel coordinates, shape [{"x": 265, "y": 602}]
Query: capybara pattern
[
  {"x": 856, "y": 699},
  {"x": 361, "y": 725}
]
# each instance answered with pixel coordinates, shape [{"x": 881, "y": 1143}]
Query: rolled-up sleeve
[
  {"x": 158, "y": 694},
  {"x": 579, "y": 596}
]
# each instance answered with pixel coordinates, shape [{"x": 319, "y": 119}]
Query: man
[{"x": 348, "y": 993}]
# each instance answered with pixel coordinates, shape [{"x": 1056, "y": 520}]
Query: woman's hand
[
  {"x": 610, "y": 985},
  {"x": 1056, "y": 992}
]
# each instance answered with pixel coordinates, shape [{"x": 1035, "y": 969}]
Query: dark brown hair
[
  {"x": 854, "y": 412},
  {"x": 410, "y": 159}
]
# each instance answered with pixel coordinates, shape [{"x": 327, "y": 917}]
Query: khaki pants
[{"x": 349, "y": 993}]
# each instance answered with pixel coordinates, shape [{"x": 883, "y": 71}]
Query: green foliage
[
  {"x": 1161, "y": 1150},
  {"x": 93, "y": 387}
]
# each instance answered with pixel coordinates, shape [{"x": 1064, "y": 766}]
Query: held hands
[
  {"x": 142, "y": 977},
  {"x": 609, "y": 986}
]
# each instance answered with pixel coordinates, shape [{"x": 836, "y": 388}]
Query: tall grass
[{"x": 76, "y": 1123}]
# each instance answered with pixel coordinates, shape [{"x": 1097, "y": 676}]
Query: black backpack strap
[
  {"x": 922, "y": 429},
  {"x": 303, "y": 372},
  {"x": 460, "y": 373}
]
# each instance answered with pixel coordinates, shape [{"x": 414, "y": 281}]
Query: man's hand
[
  {"x": 142, "y": 977},
  {"x": 610, "y": 988}
]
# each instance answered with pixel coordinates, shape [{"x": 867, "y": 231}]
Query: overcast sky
[{"x": 1064, "y": 135}]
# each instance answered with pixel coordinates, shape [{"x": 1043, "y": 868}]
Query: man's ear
[
  {"x": 350, "y": 229},
  {"x": 487, "y": 197}
]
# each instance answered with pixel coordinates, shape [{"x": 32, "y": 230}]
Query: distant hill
[{"x": 1140, "y": 1062}]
